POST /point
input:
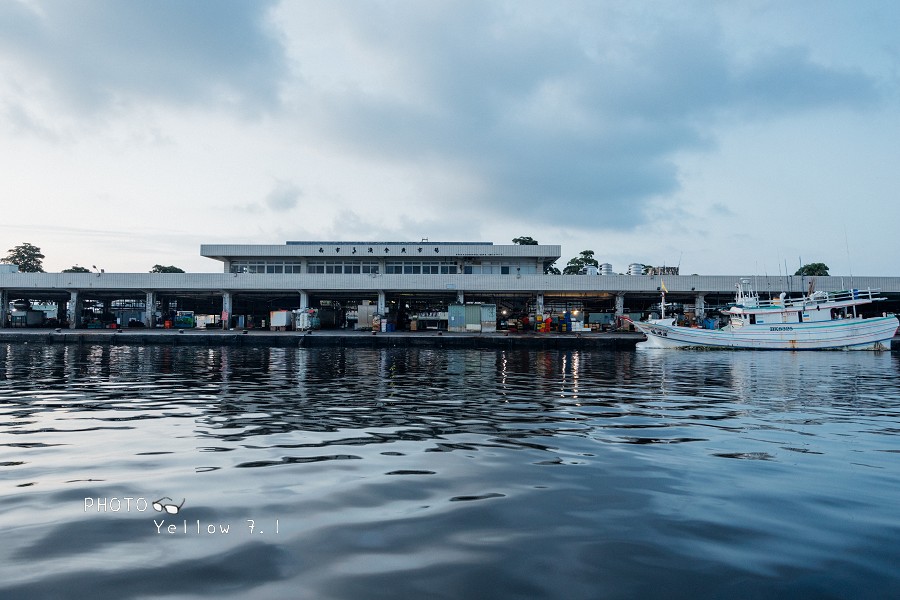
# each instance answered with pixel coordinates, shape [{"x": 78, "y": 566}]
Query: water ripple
[{"x": 423, "y": 472}]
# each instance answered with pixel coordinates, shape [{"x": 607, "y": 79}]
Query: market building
[{"x": 407, "y": 285}]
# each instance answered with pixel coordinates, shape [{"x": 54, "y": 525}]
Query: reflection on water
[{"x": 350, "y": 473}]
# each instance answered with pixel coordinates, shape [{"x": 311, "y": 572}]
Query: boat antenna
[
  {"x": 788, "y": 276},
  {"x": 849, "y": 264},
  {"x": 781, "y": 278}
]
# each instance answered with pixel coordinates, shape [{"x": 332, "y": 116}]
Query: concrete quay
[
  {"x": 332, "y": 338},
  {"x": 325, "y": 338}
]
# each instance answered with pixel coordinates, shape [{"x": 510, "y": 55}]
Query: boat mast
[{"x": 662, "y": 305}]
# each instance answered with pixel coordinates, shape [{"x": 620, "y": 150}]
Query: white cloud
[
  {"x": 642, "y": 132},
  {"x": 283, "y": 197},
  {"x": 96, "y": 56}
]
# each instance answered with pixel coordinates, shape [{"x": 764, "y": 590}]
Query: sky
[{"x": 727, "y": 138}]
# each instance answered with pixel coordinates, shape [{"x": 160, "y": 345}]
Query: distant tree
[
  {"x": 76, "y": 269},
  {"x": 579, "y": 262},
  {"x": 525, "y": 241},
  {"x": 168, "y": 269},
  {"x": 27, "y": 256},
  {"x": 813, "y": 270},
  {"x": 550, "y": 268}
]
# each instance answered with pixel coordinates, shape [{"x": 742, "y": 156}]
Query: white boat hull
[{"x": 842, "y": 334}]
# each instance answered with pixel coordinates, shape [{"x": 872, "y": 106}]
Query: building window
[{"x": 271, "y": 267}]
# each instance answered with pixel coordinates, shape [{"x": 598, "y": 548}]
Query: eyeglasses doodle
[{"x": 172, "y": 509}]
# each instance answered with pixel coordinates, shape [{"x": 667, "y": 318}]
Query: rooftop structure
[{"x": 388, "y": 258}]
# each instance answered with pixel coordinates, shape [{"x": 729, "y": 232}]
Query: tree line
[{"x": 29, "y": 259}]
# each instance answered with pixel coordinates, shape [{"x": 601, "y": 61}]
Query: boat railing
[{"x": 855, "y": 296}]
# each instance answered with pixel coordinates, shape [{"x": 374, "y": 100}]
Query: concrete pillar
[
  {"x": 381, "y": 302},
  {"x": 460, "y": 297},
  {"x": 150, "y": 310},
  {"x": 620, "y": 304},
  {"x": 539, "y": 304},
  {"x": 700, "y": 306},
  {"x": 61, "y": 310},
  {"x": 4, "y": 307},
  {"x": 226, "y": 309},
  {"x": 304, "y": 299},
  {"x": 74, "y": 312}
]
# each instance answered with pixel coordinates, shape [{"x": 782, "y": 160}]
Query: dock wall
[{"x": 618, "y": 341}]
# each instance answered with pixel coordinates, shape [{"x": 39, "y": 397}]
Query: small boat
[{"x": 816, "y": 321}]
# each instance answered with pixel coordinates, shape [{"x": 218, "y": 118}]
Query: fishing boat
[{"x": 817, "y": 321}]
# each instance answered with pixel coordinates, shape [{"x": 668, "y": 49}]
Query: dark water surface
[{"x": 415, "y": 473}]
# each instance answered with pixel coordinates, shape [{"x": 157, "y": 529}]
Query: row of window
[
  {"x": 266, "y": 267},
  {"x": 351, "y": 268},
  {"x": 390, "y": 268},
  {"x": 420, "y": 268}
]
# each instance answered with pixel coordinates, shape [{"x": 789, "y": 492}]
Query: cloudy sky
[{"x": 727, "y": 137}]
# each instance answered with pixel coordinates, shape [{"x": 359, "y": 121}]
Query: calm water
[{"x": 448, "y": 474}]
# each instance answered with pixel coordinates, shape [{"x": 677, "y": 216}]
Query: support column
[
  {"x": 539, "y": 304},
  {"x": 226, "y": 309},
  {"x": 620, "y": 304},
  {"x": 381, "y": 302},
  {"x": 460, "y": 297},
  {"x": 304, "y": 299},
  {"x": 700, "y": 306},
  {"x": 61, "y": 308},
  {"x": 74, "y": 312},
  {"x": 4, "y": 307},
  {"x": 150, "y": 310}
]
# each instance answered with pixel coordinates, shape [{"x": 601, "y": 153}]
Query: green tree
[
  {"x": 579, "y": 262},
  {"x": 168, "y": 269},
  {"x": 27, "y": 256},
  {"x": 813, "y": 270},
  {"x": 550, "y": 268},
  {"x": 525, "y": 241},
  {"x": 76, "y": 269}
]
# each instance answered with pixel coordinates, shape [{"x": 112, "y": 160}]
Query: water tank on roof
[
  {"x": 606, "y": 269},
  {"x": 635, "y": 269}
]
